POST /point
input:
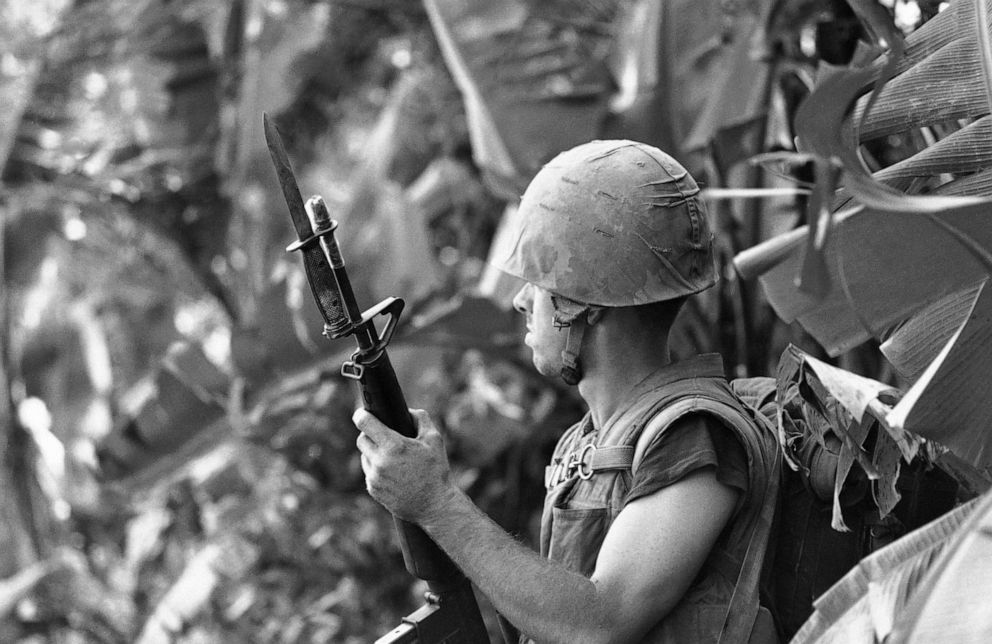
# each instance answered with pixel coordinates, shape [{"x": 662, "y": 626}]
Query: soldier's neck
[{"x": 613, "y": 365}]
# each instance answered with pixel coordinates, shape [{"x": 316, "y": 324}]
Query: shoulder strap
[
  {"x": 744, "y": 603},
  {"x": 663, "y": 419}
]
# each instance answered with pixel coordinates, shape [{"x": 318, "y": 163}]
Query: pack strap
[
  {"x": 742, "y": 610},
  {"x": 587, "y": 460}
]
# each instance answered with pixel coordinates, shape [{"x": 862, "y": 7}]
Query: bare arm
[{"x": 649, "y": 557}]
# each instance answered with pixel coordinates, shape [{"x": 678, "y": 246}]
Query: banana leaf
[
  {"x": 944, "y": 86},
  {"x": 965, "y": 150},
  {"x": 949, "y": 401},
  {"x": 949, "y": 602},
  {"x": 535, "y": 78},
  {"x": 918, "y": 341},
  {"x": 678, "y": 75},
  {"x": 976, "y": 184},
  {"x": 866, "y": 603},
  {"x": 892, "y": 255}
]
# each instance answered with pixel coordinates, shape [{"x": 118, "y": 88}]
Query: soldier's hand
[{"x": 409, "y": 476}]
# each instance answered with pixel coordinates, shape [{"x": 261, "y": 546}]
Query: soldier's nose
[{"x": 522, "y": 300}]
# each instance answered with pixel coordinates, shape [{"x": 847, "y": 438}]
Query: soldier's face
[{"x": 545, "y": 340}]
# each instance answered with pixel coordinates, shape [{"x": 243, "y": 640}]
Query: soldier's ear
[{"x": 595, "y": 314}]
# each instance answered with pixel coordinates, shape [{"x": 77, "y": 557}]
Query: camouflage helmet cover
[{"x": 613, "y": 223}]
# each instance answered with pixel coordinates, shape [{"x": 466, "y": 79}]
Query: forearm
[{"x": 543, "y": 599}]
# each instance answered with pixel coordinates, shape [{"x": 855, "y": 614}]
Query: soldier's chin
[{"x": 545, "y": 367}]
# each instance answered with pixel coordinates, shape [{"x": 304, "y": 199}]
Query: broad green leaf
[
  {"x": 948, "y": 25},
  {"x": 734, "y": 111},
  {"x": 881, "y": 586},
  {"x": 951, "y": 603},
  {"x": 852, "y": 391},
  {"x": 865, "y": 301},
  {"x": 917, "y": 342},
  {"x": 944, "y": 86},
  {"x": 942, "y": 77},
  {"x": 966, "y": 150},
  {"x": 847, "y": 314},
  {"x": 534, "y": 81},
  {"x": 886, "y": 36},
  {"x": 830, "y": 319},
  {"x": 977, "y": 184},
  {"x": 949, "y": 403},
  {"x": 922, "y": 261}
]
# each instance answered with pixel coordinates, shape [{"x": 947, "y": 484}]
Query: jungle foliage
[{"x": 176, "y": 438}]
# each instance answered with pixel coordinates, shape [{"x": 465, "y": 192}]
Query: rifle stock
[{"x": 451, "y": 614}]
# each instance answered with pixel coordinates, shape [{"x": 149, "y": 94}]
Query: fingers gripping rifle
[{"x": 451, "y": 614}]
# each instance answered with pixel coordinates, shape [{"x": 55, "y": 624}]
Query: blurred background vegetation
[{"x": 176, "y": 440}]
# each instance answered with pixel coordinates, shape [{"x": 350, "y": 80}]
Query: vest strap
[
  {"x": 669, "y": 414},
  {"x": 588, "y": 460},
  {"x": 742, "y": 610}
]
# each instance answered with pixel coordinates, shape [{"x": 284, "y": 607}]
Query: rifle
[{"x": 451, "y": 614}]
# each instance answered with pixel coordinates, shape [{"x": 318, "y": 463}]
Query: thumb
[
  {"x": 426, "y": 429},
  {"x": 372, "y": 427}
]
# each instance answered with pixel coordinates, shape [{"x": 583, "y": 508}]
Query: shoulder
[
  {"x": 697, "y": 435},
  {"x": 710, "y": 403},
  {"x": 692, "y": 442}
]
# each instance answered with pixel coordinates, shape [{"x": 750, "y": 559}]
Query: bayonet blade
[
  {"x": 323, "y": 284},
  {"x": 287, "y": 180}
]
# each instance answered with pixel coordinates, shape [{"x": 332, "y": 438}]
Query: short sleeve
[{"x": 693, "y": 442}]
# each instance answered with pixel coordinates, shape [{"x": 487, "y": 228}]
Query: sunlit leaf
[
  {"x": 885, "y": 35},
  {"x": 979, "y": 183},
  {"x": 917, "y": 342},
  {"x": 947, "y": 85},
  {"x": 881, "y": 586},
  {"x": 852, "y": 391},
  {"x": 949, "y": 402},
  {"x": 965, "y": 150},
  {"x": 947, "y": 605}
]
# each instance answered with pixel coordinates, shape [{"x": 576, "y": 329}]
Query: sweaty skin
[{"x": 651, "y": 553}]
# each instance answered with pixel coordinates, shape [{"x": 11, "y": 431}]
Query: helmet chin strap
[
  {"x": 573, "y": 316},
  {"x": 571, "y": 370}
]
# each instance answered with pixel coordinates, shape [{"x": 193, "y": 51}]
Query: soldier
[{"x": 660, "y": 499}]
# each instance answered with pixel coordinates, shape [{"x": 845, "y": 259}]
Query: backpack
[{"x": 807, "y": 555}]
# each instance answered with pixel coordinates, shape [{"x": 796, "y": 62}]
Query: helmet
[{"x": 612, "y": 223}]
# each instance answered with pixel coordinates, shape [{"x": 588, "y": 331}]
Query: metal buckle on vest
[{"x": 583, "y": 465}]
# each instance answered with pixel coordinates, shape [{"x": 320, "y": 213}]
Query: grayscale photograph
[{"x": 495, "y": 321}]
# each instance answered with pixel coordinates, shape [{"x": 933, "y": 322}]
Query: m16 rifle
[{"x": 451, "y": 613}]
